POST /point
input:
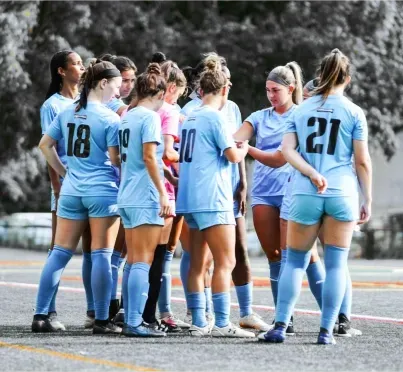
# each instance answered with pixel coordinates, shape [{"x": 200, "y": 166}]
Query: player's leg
[
  {"x": 219, "y": 232},
  {"x": 242, "y": 278},
  {"x": 302, "y": 231},
  {"x": 71, "y": 223}
]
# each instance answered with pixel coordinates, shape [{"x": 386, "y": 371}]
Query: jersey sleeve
[
  {"x": 55, "y": 129},
  {"x": 112, "y": 132},
  {"x": 170, "y": 124},
  {"x": 222, "y": 134},
  {"x": 151, "y": 129},
  {"x": 47, "y": 114},
  {"x": 360, "y": 131},
  {"x": 115, "y": 104},
  {"x": 254, "y": 119},
  {"x": 290, "y": 124},
  {"x": 238, "y": 116}
]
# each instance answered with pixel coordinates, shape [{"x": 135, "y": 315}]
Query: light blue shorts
[
  {"x": 309, "y": 209},
  {"x": 285, "y": 207},
  {"x": 204, "y": 220},
  {"x": 82, "y": 208},
  {"x": 237, "y": 211},
  {"x": 134, "y": 217},
  {"x": 273, "y": 201}
]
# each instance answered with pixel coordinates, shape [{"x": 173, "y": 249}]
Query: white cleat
[
  {"x": 196, "y": 331},
  {"x": 89, "y": 322},
  {"x": 188, "y": 319},
  {"x": 254, "y": 321},
  {"x": 55, "y": 323},
  {"x": 231, "y": 331}
]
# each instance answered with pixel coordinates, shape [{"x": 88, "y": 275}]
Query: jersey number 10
[
  {"x": 187, "y": 145},
  {"x": 81, "y": 146},
  {"x": 334, "y": 130},
  {"x": 124, "y": 142}
]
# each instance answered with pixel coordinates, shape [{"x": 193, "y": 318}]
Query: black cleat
[
  {"x": 42, "y": 324},
  {"x": 105, "y": 328},
  {"x": 119, "y": 319},
  {"x": 113, "y": 308},
  {"x": 290, "y": 329}
]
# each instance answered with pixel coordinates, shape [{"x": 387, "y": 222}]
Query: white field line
[{"x": 182, "y": 300}]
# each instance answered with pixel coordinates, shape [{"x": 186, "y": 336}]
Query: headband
[
  {"x": 106, "y": 74},
  {"x": 277, "y": 79}
]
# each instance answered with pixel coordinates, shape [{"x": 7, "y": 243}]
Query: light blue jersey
[
  {"x": 205, "y": 172},
  {"x": 115, "y": 104},
  {"x": 234, "y": 121},
  {"x": 325, "y": 135},
  {"x": 140, "y": 125},
  {"x": 49, "y": 110},
  {"x": 269, "y": 128},
  {"x": 87, "y": 135}
]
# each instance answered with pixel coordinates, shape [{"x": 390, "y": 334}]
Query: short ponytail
[
  {"x": 334, "y": 70},
  {"x": 297, "y": 94}
]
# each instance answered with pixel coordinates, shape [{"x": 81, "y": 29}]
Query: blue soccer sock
[
  {"x": 86, "y": 274},
  {"x": 274, "y": 277},
  {"x": 290, "y": 283},
  {"x": 50, "y": 278},
  {"x": 197, "y": 305},
  {"x": 334, "y": 287},
  {"x": 316, "y": 277},
  {"x": 125, "y": 288},
  {"x": 138, "y": 286},
  {"x": 164, "y": 298},
  {"x": 101, "y": 281},
  {"x": 115, "y": 273},
  {"x": 283, "y": 261},
  {"x": 245, "y": 298},
  {"x": 52, "y": 306},
  {"x": 348, "y": 297},
  {"x": 222, "y": 304},
  {"x": 209, "y": 301},
  {"x": 184, "y": 272}
]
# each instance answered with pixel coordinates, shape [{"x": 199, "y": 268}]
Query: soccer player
[
  {"x": 329, "y": 129},
  {"x": 143, "y": 200},
  {"x": 128, "y": 71},
  {"x": 66, "y": 68},
  {"x": 284, "y": 92},
  {"x": 205, "y": 198},
  {"x": 241, "y": 275},
  {"x": 88, "y": 194}
]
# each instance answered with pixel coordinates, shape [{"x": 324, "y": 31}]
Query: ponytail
[
  {"x": 297, "y": 94},
  {"x": 334, "y": 70}
]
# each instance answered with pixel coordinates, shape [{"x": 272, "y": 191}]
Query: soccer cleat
[
  {"x": 231, "y": 331},
  {"x": 105, "y": 329},
  {"x": 254, "y": 321},
  {"x": 157, "y": 325},
  {"x": 171, "y": 324},
  {"x": 89, "y": 319},
  {"x": 119, "y": 319},
  {"x": 196, "y": 331},
  {"x": 275, "y": 335},
  {"x": 42, "y": 324},
  {"x": 345, "y": 329},
  {"x": 326, "y": 339},
  {"x": 290, "y": 328},
  {"x": 55, "y": 323},
  {"x": 142, "y": 330}
]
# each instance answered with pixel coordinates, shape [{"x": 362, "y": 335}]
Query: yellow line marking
[{"x": 79, "y": 358}]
